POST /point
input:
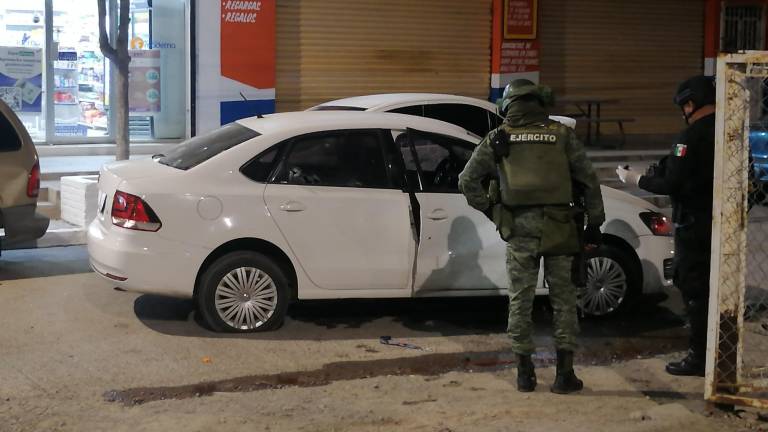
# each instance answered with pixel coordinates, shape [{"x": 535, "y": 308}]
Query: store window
[
  {"x": 158, "y": 69},
  {"x": 58, "y": 82},
  {"x": 22, "y": 44},
  {"x": 80, "y": 72}
]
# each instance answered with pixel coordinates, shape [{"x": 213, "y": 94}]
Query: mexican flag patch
[{"x": 681, "y": 150}]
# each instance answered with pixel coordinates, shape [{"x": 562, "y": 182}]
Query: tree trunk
[
  {"x": 122, "y": 133},
  {"x": 117, "y": 53}
]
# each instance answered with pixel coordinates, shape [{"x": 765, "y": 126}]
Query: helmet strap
[{"x": 688, "y": 116}]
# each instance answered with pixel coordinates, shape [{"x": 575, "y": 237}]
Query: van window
[{"x": 9, "y": 138}]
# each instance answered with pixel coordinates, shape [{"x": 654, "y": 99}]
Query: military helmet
[
  {"x": 517, "y": 89},
  {"x": 521, "y": 88},
  {"x": 699, "y": 89}
]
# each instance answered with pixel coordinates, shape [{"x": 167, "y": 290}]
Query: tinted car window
[
  {"x": 199, "y": 149},
  {"x": 438, "y": 160},
  {"x": 470, "y": 117},
  {"x": 417, "y": 110},
  {"x": 342, "y": 159},
  {"x": 262, "y": 165},
  {"x": 9, "y": 139}
]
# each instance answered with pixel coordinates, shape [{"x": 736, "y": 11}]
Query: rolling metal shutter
[
  {"x": 329, "y": 49},
  {"x": 635, "y": 51}
]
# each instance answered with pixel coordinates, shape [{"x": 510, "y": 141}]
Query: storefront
[
  {"x": 304, "y": 52},
  {"x": 52, "y": 72},
  {"x": 627, "y": 58},
  {"x": 198, "y": 64},
  {"x": 735, "y": 25}
]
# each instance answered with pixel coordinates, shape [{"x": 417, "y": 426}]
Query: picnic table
[{"x": 589, "y": 108}]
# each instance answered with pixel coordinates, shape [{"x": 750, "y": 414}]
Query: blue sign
[{"x": 21, "y": 78}]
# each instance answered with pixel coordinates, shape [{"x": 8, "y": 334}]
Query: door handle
[
  {"x": 292, "y": 206},
  {"x": 438, "y": 214}
]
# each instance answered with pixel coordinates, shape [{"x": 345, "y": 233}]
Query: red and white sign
[
  {"x": 248, "y": 42},
  {"x": 520, "y": 56},
  {"x": 520, "y": 19}
]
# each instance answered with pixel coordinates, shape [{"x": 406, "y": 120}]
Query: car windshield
[
  {"x": 199, "y": 149},
  {"x": 336, "y": 108}
]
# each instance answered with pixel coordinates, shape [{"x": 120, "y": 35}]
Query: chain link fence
[{"x": 737, "y": 359}]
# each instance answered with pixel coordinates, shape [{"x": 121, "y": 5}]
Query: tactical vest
[{"x": 536, "y": 171}]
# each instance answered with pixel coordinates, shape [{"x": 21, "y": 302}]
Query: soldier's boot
[
  {"x": 691, "y": 365},
  {"x": 526, "y": 377},
  {"x": 565, "y": 379},
  {"x": 694, "y": 362}
]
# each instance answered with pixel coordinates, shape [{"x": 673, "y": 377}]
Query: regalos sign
[{"x": 248, "y": 42}]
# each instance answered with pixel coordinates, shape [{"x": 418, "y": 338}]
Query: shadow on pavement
[
  {"x": 43, "y": 262},
  {"x": 648, "y": 328}
]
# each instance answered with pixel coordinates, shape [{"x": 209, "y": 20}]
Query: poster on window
[
  {"x": 520, "y": 19},
  {"x": 21, "y": 78},
  {"x": 144, "y": 82}
]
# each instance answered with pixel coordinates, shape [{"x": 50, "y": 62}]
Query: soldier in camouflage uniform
[{"x": 534, "y": 162}]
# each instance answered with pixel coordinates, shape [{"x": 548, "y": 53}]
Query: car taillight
[
  {"x": 33, "y": 181},
  {"x": 657, "y": 223},
  {"x": 132, "y": 212}
]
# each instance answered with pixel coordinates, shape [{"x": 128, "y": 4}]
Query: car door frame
[
  {"x": 396, "y": 178},
  {"x": 500, "y": 281}
]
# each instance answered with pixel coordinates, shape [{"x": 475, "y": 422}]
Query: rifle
[{"x": 579, "y": 263}]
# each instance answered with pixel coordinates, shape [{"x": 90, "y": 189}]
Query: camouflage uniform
[{"x": 529, "y": 227}]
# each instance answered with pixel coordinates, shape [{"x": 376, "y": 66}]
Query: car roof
[
  {"x": 301, "y": 122},
  {"x": 378, "y": 102}
]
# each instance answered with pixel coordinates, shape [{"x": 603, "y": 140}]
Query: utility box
[{"x": 79, "y": 199}]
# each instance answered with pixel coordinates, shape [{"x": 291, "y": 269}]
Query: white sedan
[
  {"x": 475, "y": 115},
  {"x": 319, "y": 205}
]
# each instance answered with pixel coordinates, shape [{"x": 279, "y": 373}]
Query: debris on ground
[{"x": 387, "y": 340}]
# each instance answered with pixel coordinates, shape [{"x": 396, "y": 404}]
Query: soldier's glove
[
  {"x": 592, "y": 236},
  {"x": 488, "y": 212},
  {"x": 628, "y": 176}
]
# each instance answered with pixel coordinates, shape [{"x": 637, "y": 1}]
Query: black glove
[
  {"x": 488, "y": 212},
  {"x": 592, "y": 235}
]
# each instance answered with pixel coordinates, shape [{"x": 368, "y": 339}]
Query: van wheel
[
  {"x": 612, "y": 282},
  {"x": 243, "y": 292}
]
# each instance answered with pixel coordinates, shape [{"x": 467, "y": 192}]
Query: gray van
[{"x": 19, "y": 184}]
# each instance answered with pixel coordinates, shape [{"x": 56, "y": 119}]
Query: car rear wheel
[
  {"x": 612, "y": 282},
  {"x": 243, "y": 292}
]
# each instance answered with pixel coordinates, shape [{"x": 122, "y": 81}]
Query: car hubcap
[
  {"x": 246, "y": 298},
  {"x": 606, "y": 286}
]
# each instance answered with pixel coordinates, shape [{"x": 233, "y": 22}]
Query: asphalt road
[
  {"x": 71, "y": 344},
  {"x": 344, "y": 319}
]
